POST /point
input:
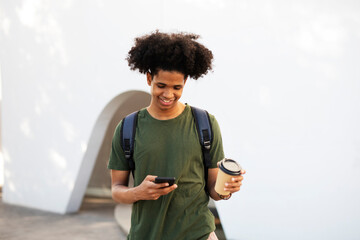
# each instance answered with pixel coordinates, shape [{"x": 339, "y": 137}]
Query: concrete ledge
[{"x": 122, "y": 214}]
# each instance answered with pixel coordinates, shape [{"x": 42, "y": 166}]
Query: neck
[{"x": 166, "y": 114}]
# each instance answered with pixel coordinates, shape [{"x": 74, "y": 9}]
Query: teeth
[{"x": 167, "y": 101}]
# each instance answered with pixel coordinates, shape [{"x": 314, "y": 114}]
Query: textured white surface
[{"x": 285, "y": 90}]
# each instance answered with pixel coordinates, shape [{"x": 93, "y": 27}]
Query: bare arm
[
  {"x": 212, "y": 175},
  {"x": 147, "y": 190}
]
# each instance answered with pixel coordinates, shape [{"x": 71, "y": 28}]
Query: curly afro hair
[{"x": 171, "y": 52}]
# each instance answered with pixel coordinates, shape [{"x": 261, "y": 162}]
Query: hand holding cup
[{"x": 229, "y": 178}]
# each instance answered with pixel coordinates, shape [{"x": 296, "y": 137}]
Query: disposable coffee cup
[{"x": 228, "y": 169}]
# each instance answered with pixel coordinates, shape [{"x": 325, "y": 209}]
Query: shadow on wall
[
  {"x": 100, "y": 181},
  {"x": 97, "y": 154}
]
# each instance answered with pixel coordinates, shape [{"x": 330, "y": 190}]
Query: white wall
[
  {"x": 1, "y": 156},
  {"x": 285, "y": 90}
]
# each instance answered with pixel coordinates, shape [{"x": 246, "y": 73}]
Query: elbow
[
  {"x": 115, "y": 194},
  {"x": 120, "y": 195}
]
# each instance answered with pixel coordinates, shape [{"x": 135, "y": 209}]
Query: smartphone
[{"x": 170, "y": 180}]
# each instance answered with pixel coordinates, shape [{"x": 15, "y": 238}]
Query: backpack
[{"x": 203, "y": 126}]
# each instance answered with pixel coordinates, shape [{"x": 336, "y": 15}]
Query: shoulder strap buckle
[
  {"x": 127, "y": 154},
  {"x": 207, "y": 145}
]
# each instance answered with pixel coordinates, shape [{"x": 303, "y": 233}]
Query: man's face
[{"x": 166, "y": 89}]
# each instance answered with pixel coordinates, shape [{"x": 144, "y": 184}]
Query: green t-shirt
[{"x": 170, "y": 148}]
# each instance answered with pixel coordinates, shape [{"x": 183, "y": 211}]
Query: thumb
[{"x": 150, "y": 178}]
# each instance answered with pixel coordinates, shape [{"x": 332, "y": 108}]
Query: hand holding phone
[{"x": 170, "y": 180}]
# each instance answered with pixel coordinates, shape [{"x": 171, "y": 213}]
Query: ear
[{"x": 148, "y": 78}]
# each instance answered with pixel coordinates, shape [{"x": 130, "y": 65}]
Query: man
[{"x": 167, "y": 145}]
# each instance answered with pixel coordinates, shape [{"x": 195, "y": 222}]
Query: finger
[
  {"x": 150, "y": 178},
  {"x": 169, "y": 189},
  {"x": 233, "y": 185},
  {"x": 237, "y": 179},
  {"x": 233, "y": 190},
  {"x": 161, "y": 185},
  {"x": 154, "y": 196}
]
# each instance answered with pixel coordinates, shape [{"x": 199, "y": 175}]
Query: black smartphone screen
[{"x": 170, "y": 180}]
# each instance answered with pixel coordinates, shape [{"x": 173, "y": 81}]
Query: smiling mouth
[{"x": 166, "y": 101}]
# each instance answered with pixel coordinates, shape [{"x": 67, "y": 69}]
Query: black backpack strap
[
  {"x": 127, "y": 133},
  {"x": 203, "y": 126}
]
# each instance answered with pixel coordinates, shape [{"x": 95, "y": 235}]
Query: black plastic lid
[{"x": 230, "y": 167}]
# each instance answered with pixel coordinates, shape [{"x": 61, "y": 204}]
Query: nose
[{"x": 168, "y": 93}]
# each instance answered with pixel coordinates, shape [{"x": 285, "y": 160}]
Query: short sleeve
[
  {"x": 117, "y": 160},
  {"x": 216, "y": 150}
]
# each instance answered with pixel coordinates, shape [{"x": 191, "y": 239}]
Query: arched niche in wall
[{"x": 93, "y": 173}]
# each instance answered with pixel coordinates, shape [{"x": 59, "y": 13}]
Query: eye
[
  {"x": 160, "y": 86},
  {"x": 177, "y": 87}
]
